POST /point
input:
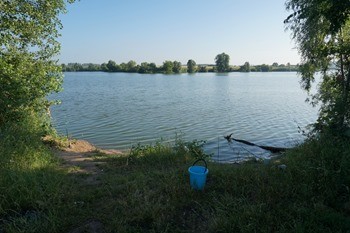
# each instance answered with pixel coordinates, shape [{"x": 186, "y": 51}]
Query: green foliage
[
  {"x": 140, "y": 150},
  {"x": 222, "y": 62},
  {"x": 177, "y": 67},
  {"x": 148, "y": 189},
  {"x": 321, "y": 29},
  {"x": 245, "y": 67},
  {"x": 285, "y": 68},
  {"x": 168, "y": 67},
  {"x": 335, "y": 14},
  {"x": 131, "y": 66},
  {"x": 151, "y": 68},
  {"x": 191, "y": 66},
  {"x": 147, "y": 68},
  {"x": 195, "y": 148},
  {"x": 32, "y": 187},
  {"x": 73, "y": 67},
  {"x": 324, "y": 164},
  {"x": 202, "y": 69},
  {"x": 92, "y": 67},
  {"x": 103, "y": 67},
  {"x": 123, "y": 67},
  {"x": 112, "y": 66},
  {"x": 310, "y": 195},
  {"x": 28, "y": 43},
  {"x": 264, "y": 68}
]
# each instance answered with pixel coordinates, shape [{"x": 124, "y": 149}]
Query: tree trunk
[
  {"x": 269, "y": 148},
  {"x": 345, "y": 98},
  {"x": 346, "y": 84}
]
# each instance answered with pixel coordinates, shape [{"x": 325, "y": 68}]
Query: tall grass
[
  {"x": 32, "y": 188},
  {"x": 148, "y": 190},
  {"x": 152, "y": 194},
  {"x": 310, "y": 195}
]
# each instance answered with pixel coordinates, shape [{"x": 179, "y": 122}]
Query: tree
[
  {"x": 64, "y": 67},
  {"x": 76, "y": 67},
  {"x": 191, "y": 66},
  {"x": 123, "y": 67},
  {"x": 321, "y": 29},
  {"x": 104, "y": 67},
  {"x": 288, "y": 65},
  {"x": 153, "y": 67},
  {"x": 264, "y": 68},
  {"x": 177, "y": 67},
  {"x": 245, "y": 67},
  {"x": 112, "y": 66},
  {"x": 222, "y": 62},
  {"x": 93, "y": 67},
  {"x": 144, "y": 68},
  {"x": 202, "y": 69},
  {"x": 28, "y": 45},
  {"x": 72, "y": 67},
  {"x": 168, "y": 67},
  {"x": 147, "y": 68},
  {"x": 131, "y": 66}
]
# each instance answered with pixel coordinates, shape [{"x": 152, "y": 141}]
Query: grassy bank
[{"x": 148, "y": 191}]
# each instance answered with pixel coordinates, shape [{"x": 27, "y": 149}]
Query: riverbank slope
[{"x": 147, "y": 190}]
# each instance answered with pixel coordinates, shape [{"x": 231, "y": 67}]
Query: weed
[{"x": 148, "y": 190}]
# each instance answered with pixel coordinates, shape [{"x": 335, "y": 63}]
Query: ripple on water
[{"x": 117, "y": 110}]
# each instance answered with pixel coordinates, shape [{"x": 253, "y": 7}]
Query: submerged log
[{"x": 229, "y": 138}]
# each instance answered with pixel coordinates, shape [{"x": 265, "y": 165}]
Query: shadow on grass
[{"x": 151, "y": 193}]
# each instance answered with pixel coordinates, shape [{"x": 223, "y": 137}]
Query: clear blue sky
[{"x": 157, "y": 30}]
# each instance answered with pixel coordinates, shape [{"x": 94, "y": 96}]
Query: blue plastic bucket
[{"x": 198, "y": 175}]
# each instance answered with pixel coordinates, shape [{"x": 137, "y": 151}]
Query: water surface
[{"x": 117, "y": 110}]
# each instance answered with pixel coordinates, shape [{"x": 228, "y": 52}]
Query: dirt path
[{"x": 80, "y": 157}]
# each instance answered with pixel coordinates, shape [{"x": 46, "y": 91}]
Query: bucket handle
[{"x": 206, "y": 166}]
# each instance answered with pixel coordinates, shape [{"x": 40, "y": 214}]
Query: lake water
[{"x": 118, "y": 110}]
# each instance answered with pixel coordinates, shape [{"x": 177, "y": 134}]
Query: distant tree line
[
  {"x": 267, "y": 68},
  {"x": 175, "y": 67},
  {"x": 168, "y": 67}
]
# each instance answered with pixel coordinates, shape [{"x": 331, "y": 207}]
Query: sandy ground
[{"x": 80, "y": 155}]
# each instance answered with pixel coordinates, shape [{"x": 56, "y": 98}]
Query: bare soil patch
[{"x": 80, "y": 155}]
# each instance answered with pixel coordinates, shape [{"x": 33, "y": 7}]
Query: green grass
[{"x": 149, "y": 191}]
